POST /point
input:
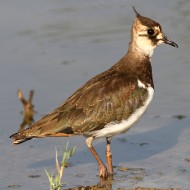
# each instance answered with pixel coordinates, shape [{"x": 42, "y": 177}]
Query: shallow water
[{"x": 55, "y": 46}]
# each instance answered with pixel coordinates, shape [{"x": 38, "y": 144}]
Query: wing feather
[{"x": 107, "y": 97}]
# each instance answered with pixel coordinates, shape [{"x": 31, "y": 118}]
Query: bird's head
[{"x": 147, "y": 34}]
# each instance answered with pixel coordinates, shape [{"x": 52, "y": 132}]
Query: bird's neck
[
  {"x": 136, "y": 65},
  {"x": 141, "y": 48}
]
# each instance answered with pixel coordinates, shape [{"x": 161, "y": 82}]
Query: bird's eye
[{"x": 150, "y": 32}]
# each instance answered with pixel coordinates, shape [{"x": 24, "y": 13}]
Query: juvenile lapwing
[{"x": 111, "y": 102}]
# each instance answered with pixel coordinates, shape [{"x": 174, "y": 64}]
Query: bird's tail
[{"x": 18, "y": 138}]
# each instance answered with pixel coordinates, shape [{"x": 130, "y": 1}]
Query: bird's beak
[{"x": 170, "y": 42}]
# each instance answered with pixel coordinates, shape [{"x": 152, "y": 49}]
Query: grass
[{"x": 55, "y": 180}]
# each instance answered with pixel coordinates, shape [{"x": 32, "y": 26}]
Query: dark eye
[{"x": 150, "y": 32}]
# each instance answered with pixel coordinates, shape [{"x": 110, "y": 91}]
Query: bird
[{"x": 110, "y": 103}]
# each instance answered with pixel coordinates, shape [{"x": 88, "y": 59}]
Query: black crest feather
[{"x": 137, "y": 14}]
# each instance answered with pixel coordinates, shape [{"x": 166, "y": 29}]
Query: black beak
[{"x": 170, "y": 42}]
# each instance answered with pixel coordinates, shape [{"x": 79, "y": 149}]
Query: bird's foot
[{"x": 103, "y": 171}]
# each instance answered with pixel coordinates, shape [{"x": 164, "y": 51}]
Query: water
[{"x": 53, "y": 47}]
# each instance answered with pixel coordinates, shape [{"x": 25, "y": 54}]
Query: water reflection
[
  {"x": 108, "y": 186},
  {"x": 28, "y": 109},
  {"x": 133, "y": 175},
  {"x": 105, "y": 184}
]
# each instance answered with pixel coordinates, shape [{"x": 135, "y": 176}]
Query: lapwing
[{"x": 111, "y": 102}]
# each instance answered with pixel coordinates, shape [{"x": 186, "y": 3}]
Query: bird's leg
[
  {"x": 109, "y": 156},
  {"x": 102, "y": 167}
]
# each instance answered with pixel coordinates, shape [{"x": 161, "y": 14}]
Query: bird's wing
[
  {"x": 105, "y": 98},
  {"x": 109, "y": 99}
]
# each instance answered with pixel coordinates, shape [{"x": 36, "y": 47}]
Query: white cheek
[{"x": 145, "y": 45}]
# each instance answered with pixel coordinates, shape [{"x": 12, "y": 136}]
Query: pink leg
[
  {"x": 109, "y": 156},
  {"x": 102, "y": 167}
]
